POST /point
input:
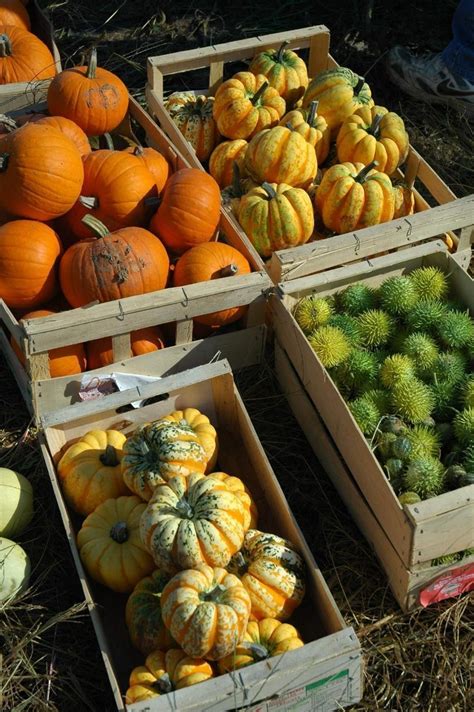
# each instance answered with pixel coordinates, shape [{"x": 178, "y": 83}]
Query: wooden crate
[
  {"x": 314, "y": 256},
  {"x": 418, "y": 533},
  {"x": 326, "y": 673},
  {"x": 243, "y": 346},
  {"x": 22, "y": 94}
]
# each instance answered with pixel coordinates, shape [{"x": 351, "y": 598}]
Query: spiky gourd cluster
[{"x": 402, "y": 356}]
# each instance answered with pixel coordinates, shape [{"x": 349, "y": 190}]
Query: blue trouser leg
[{"x": 459, "y": 54}]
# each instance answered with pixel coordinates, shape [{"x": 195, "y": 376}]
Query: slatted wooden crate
[
  {"x": 242, "y": 346},
  {"x": 406, "y": 538},
  {"x": 174, "y": 70},
  {"x": 17, "y": 96},
  {"x": 324, "y": 674}
]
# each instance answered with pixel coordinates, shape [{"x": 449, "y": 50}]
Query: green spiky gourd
[
  {"x": 449, "y": 366},
  {"x": 401, "y": 447},
  {"x": 422, "y": 349},
  {"x": 375, "y": 327},
  {"x": 425, "y": 442},
  {"x": 425, "y": 316},
  {"x": 444, "y": 394},
  {"x": 445, "y": 560},
  {"x": 468, "y": 458},
  {"x": 347, "y": 324},
  {"x": 463, "y": 426},
  {"x": 395, "y": 368},
  {"x": 394, "y": 468},
  {"x": 312, "y": 312},
  {"x": 456, "y": 329},
  {"x": 331, "y": 345},
  {"x": 444, "y": 432},
  {"x": 397, "y": 295},
  {"x": 412, "y": 400},
  {"x": 467, "y": 393},
  {"x": 365, "y": 414},
  {"x": 409, "y": 498},
  {"x": 379, "y": 398},
  {"x": 424, "y": 476},
  {"x": 383, "y": 445},
  {"x": 360, "y": 370},
  {"x": 429, "y": 283},
  {"x": 356, "y": 299}
]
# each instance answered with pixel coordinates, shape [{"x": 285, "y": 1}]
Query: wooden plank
[
  {"x": 18, "y": 371},
  {"x": 318, "y": 53},
  {"x": 9, "y": 321},
  {"x": 184, "y": 331},
  {"x": 121, "y": 347},
  {"x": 216, "y": 75}
]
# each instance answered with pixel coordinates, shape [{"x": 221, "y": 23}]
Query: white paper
[{"x": 123, "y": 382}]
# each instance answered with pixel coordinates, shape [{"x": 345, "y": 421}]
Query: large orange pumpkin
[
  {"x": 63, "y": 361},
  {"x": 115, "y": 190},
  {"x": 41, "y": 173},
  {"x": 142, "y": 341},
  {"x": 120, "y": 264},
  {"x": 189, "y": 211},
  {"x": 212, "y": 260},
  {"x": 23, "y": 56},
  {"x": 69, "y": 129},
  {"x": 13, "y": 12},
  {"x": 154, "y": 161},
  {"x": 95, "y": 99},
  {"x": 29, "y": 251}
]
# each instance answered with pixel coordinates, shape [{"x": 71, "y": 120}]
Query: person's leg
[{"x": 447, "y": 77}]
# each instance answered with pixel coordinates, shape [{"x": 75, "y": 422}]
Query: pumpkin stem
[
  {"x": 258, "y": 94},
  {"x": 96, "y": 226},
  {"x": 138, "y": 151},
  {"x": 290, "y": 126},
  {"x": 92, "y": 68},
  {"x": 164, "y": 683},
  {"x": 4, "y": 158},
  {"x": 362, "y": 175},
  {"x": 89, "y": 201},
  {"x": 184, "y": 509},
  {"x": 5, "y": 46},
  {"x": 8, "y": 123},
  {"x": 259, "y": 651},
  {"x": 109, "y": 142},
  {"x": 269, "y": 190},
  {"x": 313, "y": 112},
  {"x": 359, "y": 85},
  {"x": 239, "y": 560},
  {"x": 214, "y": 594},
  {"x": 375, "y": 128},
  {"x": 281, "y": 51},
  {"x": 109, "y": 457},
  {"x": 228, "y": 271},
  {"x": 119, "y": 532},
  {"x": 236, "y": 185}
]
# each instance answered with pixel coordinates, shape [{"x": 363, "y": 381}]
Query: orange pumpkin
[
  {"x": 189, "y": 211},
  {"x": 63, "y": 361},
  {"x": 223, "y": 157},
  {"x": 94, "y": 98},
  {"x": 154, "y": 161},
  {"x": 142, "y": 341},
  {"x": 404, "y": 200},
  {"x": 69, "y": 129},
  {"x": 23, "y": 56},
  {"x": 120, "y": 264},
  {"x": 115, "y": 191},
  {"x": 13, "y": 12},
  {"x": 41, "y": 173},
  {"x": 29, "y": 252},
  {"x": 212, "y": 260}
]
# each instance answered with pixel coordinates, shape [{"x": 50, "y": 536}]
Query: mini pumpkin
[
  {"x": 94, "y": 98},
  {"x": 154, "y": 161},
  {"x": 23, "y": 56},
  {"x": 353, "y": 196},
  {"x": 69, "y": 129},
  {"x": 312, "y": 126},
  {"x": 281, "y": 155},
  {"x": 124, "y": 263},
  {"x": 263, "y": 639},
  {"x": 13, "y": 12},
  {"x": 143, "y": 615},
  {"x": 404, "y": 200},
  {"x": 243, "y": 493},
  {"x": 223, "y": 158},
  {"x": 165, "y": 672},
  {"x": 340, "y": 93},
  {"x": 191, "y": 520},
  {"x": 202, "y": 427},
  {"x": 284, "y": 70},
  {"x": 273, "y": 574},
  {"x": 207, "y": 611},
  {"x": 275, "y": 217},
  {"x": 90, "y": 472},
  {"x": 189, "y": 211},
  {"x": 142, "y": 341},
  {"x": 212, "y": 260},
  {"x": 246, "y": 104},
  {"x": 373, "y": 134},
  {"x": 195, "y": 120},
  {"x": 110, "y": 546}
]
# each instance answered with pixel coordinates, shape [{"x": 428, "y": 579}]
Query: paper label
[
  {"x": 453, "y": 583},
  {"x": 321, "y": 695}
]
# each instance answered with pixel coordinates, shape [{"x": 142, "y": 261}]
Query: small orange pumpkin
[
  {"x": 142, "y": 341},
  {"x": 23, "y": 56},
  {"x": 223, "y": 157},
  {"x": 194, "y": 119},
  {"x": 154, "y": 161},
  {"x": 13, "y": 12},
  {"x": 69, "y": 129}
]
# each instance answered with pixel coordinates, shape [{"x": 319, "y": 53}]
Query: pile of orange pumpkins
[
  {"x": 79, "y": 226},
  {"x": 208, "y": 592},
  {"x": 298, "y": 158}
]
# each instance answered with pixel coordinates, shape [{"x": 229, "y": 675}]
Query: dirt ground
[{"x": 413, "y": 662}]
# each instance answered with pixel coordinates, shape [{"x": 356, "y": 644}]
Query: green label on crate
[{"x": 325, "y": 680}]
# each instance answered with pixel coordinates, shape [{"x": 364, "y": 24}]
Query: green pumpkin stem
[
  {"x": 109, "y": 142},
  {"x": 5, "y": 46},
  {"x": 375, "y": 128},
  {"x": 290, "y": 126},
  {"x": 119, "y": 532},
  {"x": 138, "y": 150},
  {"x": 184, "y": 509},
  {"x": 236, "y": 185},
  {"x": 96, "y": 226},
  {"x": 89, "y": 201},
  {"x": 259, "y": 93},
  {"x": 109, "y": 457},
  {"x": 164, "y": 684},
  {"x": 214, "y": 594},
  {"x": 258, "y": 651},
  {"x": 92, "y": 66},
  {"x": 359, "y": 85},
  {"x": 312, "y": 114},
  {"x": 362, "y": 175},
  {"x": 269, "y": 190},
  {"x": 281, "y": 51},
  {"x": 238, "y": 560},
  {"x": 228, "y": 270}
]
